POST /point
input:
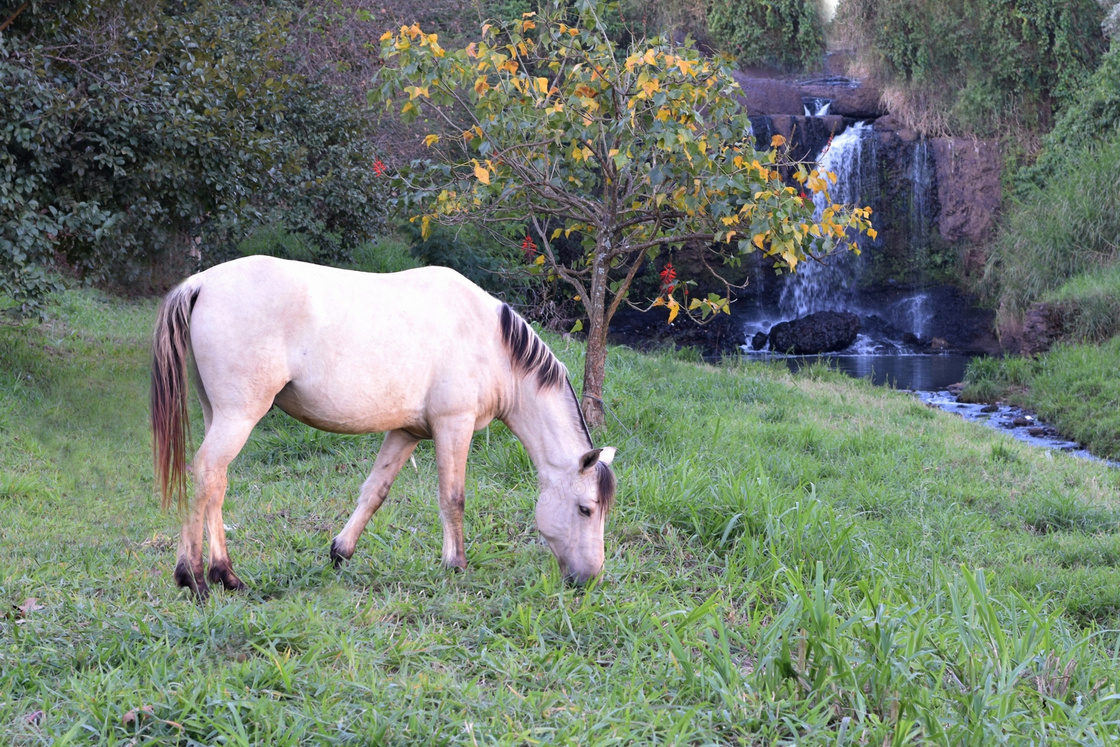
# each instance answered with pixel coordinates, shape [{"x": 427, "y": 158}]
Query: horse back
[{"x": 348, "y": 351}]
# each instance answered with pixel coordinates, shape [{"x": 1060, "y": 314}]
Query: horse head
[{"x": 572, "y": 514}]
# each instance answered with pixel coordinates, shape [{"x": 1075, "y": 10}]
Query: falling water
[{"x": 819, "y": 286}]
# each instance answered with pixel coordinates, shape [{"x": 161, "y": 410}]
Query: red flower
[
  {"x": 668, "y": 277},
  {"x": 529, "y": 247},
  {"x": 379, "y": 167}
]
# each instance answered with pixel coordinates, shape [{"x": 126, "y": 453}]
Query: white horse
[{"x": 421, "y": 354}]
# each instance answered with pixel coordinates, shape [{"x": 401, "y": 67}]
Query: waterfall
[
  {"x": 820, "y": 286},
  {"x": 921, "y": 194}
]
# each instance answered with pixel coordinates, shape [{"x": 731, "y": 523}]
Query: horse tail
[{"x": 170, "y": 415}]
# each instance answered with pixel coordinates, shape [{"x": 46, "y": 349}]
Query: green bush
[
  {"x": 133, "y": 154},
  {"x": 985, "y": 67},
  {"x": 787, "y": 34}
]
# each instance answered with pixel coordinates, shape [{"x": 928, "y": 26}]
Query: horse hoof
[
  {"x": 337, "y": 556},
  {"x": 186, "y": 578},
  {"x": 224, "y": 574}
]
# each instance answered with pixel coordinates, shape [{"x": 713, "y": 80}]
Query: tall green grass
[
  {"x": 793, "y": 560},
  {"x": 1070, "y": 228},
  {"x": 1074, "y": 387}
]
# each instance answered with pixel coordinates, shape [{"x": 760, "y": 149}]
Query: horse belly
[{"x": 342, "y": 409}]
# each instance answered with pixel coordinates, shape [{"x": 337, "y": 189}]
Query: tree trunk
[
  {"x": 595, "y": 360},
  {"x": 594, "y": 372}
]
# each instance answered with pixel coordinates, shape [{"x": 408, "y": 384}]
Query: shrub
[
  {"x": 984, "y": 67},
  {"x": 787, "y": 34},
  {"x": 127, "y": 152}
]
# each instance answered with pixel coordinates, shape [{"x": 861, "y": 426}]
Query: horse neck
[{"x": 548, "y": 424}]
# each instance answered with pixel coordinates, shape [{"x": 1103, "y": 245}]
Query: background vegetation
[
  {"x": 975, "y": 67},
  {"x": 150, "y": 136},
  {"x": 794, "y": 560}
]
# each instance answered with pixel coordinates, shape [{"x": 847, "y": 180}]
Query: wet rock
[
  {"x": 822, "y": 332},
  {"x": 1039, "y": 432},
  {"x": 758, "y": 342},
  {"x": 989, "y": 408},
  {"x": 1022, "y": 421},
  {"x": 938, "y": 343}
]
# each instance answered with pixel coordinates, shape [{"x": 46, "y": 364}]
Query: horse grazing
[{"x": 421, "y": 354}]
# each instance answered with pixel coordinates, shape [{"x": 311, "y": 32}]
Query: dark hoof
[
  {"x": 188, "y": 579},
  {"x": 337, "y": 557},
  {"x": 223, "y": 574}
]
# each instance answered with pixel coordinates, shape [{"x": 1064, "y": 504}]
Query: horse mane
[
  {"x": 531, "y": 357},
  {"x": 528, "y": 352}
]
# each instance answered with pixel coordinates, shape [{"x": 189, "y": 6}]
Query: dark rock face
[
  {"x": 769, "y": 95},
  {"x": 721, "y": 335},
  {"x": 822, "y": 332},
  {"x": 849, "y": 98},
  {"x": 968, "y": 186},
  {"x": 805, "y": 136},
  {"x": 1042, "y": 327}
]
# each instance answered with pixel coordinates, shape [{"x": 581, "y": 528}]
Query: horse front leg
[
  {"x": 395, "y": 451},
  {"x": 453, "y": 444}
]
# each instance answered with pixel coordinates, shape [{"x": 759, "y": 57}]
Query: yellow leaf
[
  {"x": 481, "y": 86},
  {"x": 542, "y": 85},
  {"x": 556, "y": 233},
  {"x": 696, "y": 303},
  {"x": 777, "y": 141},
  {"x": 674, "y": 308},
  {"x": 431, "y": 140},
  {"x": 872, "y": 233},
  {"x": 485, "y": 27},
  {"x": 386, "y": 36},
  {"x": 759, "y": 240},
  {"x": 482, "y": 174},
  {"x": 576, "y": 298},
  {"x": 527, "y": 25},
  {"x": 539, "y": 260},
  {"x": 659, "y": 301},
  {"x": 425, "y": 227}
]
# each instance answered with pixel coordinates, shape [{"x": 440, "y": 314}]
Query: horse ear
[{"x": 604, "y": 455}]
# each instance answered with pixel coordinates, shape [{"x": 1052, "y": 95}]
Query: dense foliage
[
  {"x": 1058, "y": 239},
  {"x": 778, "y": 33},
  {"x": 146, "y": 138},
  {"x": 636, "y": 152},
  {"x": 979, "y": 66}
]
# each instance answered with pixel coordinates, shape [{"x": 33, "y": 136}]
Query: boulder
[
  {"x": 822, "y": 332},
  {"x": 758, "y": 342}
]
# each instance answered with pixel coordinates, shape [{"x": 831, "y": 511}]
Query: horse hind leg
[
  {"x": 395, "y": 451},
  {"x": 224, "y": 440}
]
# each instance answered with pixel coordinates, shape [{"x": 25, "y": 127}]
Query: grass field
[{"x": 799, "y": 560}]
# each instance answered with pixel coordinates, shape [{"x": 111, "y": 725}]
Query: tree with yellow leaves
[{"x": 636, "y": 154}]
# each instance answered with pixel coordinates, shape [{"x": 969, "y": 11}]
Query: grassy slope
[{"x": 792, "y": 559}]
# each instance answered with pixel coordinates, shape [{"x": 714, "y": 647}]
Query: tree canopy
[{"x": 544, "y": 122}]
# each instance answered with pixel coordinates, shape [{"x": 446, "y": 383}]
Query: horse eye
[{"x": 585, "y": 510}]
